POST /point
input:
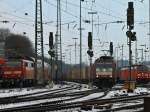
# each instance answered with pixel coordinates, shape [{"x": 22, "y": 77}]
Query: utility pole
[
  {"x": 70, "y": 60},
  {"x": 81, "y": 38},
  {"x": 92, "y": 13},
  {"x": 144, "y": 45},
  {"x": 122, "y": 57},
  {"x": 142, "y": 57},
  {"x": 149, "y": 31},
  {"x": 58, "y": 42},
  {"x": 75, "y": 48},
  {"x": 39, "y": 51},
  {"x": 116, "y": 55},
  {"x": 136, "y": 53},
  {"x": 70, "y": 52}
]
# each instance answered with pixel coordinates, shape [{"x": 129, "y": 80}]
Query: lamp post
[
  {"x": 141, "y": 55},
  {"x": 116, "y": 55},
  {"x": 92, "y": 13},
  {"x": 70, "y": 52},
  {"x": 149, "y": 31},
  {"x": 144, "y": 45},
  {"x": 80, "y": 38}
]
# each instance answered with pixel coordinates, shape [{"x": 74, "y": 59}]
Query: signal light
[
  {"x": 90, "y": 40},
  {"x": 111, "y": 48},
  {"x": 133, "y": 38},
  {"x": 51, "y": 53},
  {"x": 90, "y": 53},
  {"x": 130, "y": 15},
  {"x": 51, "y": 40},
  {"x": 131, "y": 35}
]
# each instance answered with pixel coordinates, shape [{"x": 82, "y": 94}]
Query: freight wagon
[{"x": 139, "y": 73}]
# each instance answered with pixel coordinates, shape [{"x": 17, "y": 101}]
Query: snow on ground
[
  {"x": 91, "y": 96},
  {"x": 23, "y": 91},
  {"x": 123, "y": 92},
  {"x": 113, "y": 93},
  {"x": 15, "y": 92},
  {"x": 31, "y": 102}
]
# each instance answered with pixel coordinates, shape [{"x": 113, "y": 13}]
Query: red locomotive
[
  {"x": 105, "y": 68},
  {"x": 19, "y": 72},
  {"x": 140, "y": 73}
]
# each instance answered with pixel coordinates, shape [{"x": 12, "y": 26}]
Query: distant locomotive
[
  {"x": 140, "y": 73},
  {"x": 19, "y": 72},
  {"x": 105, "y": 68}
]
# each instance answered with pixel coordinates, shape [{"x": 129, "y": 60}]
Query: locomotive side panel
[
  {"x": 28, "y": 69},
  {"x": 140, "y": 73}
]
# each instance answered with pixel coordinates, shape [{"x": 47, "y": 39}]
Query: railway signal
[
  {"x": 111, "y": 48},
  {"x": 130, "y": 15},
  {"x": 51, "y": 40},
  {"x": 90, "y": 53},
  {"x": 51, "y": 52},
  {"x": 131, "y": 37},
  {"x": 90, "y": 40}
]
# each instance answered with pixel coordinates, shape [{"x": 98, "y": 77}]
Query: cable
[{"x": 94, "y": 10}]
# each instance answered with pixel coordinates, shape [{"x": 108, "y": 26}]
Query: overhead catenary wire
[{"x": 103, "y": 13}]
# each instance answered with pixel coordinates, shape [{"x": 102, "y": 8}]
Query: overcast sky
[{"x": 107, "y": 11}]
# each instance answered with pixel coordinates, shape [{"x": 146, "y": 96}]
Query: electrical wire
[{"x": 103, "y": 13}]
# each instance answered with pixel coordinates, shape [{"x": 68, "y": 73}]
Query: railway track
[
  {"x": 67, "y": 104},
  {"x": 64, "y": 105},
  {"x": 51, "y": 105},
  {"x": 128, "y": 107},
  {"x": 38, "y": 107},
  {"x": 36, "y": 96},
  {"x": 46, "y": 96}
]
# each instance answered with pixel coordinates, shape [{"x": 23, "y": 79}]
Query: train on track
[
  {"x": 140, "y": 73},
  {"x": 104, "y": 73},
  {"x": 105, "y": 70},
  {"x": 21, "y": 72}
]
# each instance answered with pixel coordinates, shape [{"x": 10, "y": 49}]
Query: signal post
[
  {"x": 131, "y": 36},
  {"x": 51, "y": 52},
  {"x": 90, "y": 53}
]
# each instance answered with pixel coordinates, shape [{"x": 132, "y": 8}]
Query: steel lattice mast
[
  {"x": 58, "y": 42},
  {"x": 39, "y": 51}
]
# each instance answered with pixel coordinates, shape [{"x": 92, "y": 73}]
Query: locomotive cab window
[{"x": 32, "y": 65}]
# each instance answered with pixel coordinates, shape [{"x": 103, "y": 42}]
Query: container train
[{"x": 20, "y": 72}]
